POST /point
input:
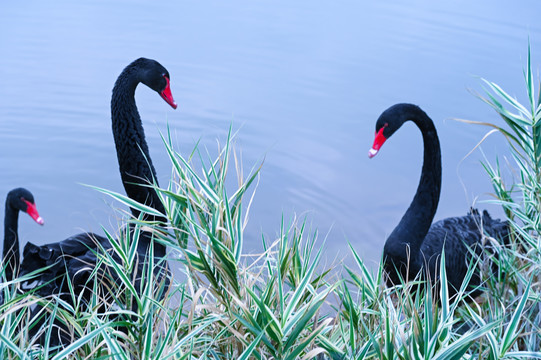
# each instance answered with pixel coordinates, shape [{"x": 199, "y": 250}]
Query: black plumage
[
  {"x": 76, "y": 257},
  {"x": 415, "y": 245},
  {"x": 17, "y": 200}
]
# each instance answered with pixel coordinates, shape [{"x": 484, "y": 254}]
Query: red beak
[
  {"x": 166, "y": 94},
  {"x": 33, "y": 212},
  {"x": 378, "y": 141}
]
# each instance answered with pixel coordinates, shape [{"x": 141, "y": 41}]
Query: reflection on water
[{"x": 304, "y": 82}]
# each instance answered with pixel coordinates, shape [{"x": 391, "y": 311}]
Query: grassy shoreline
[{"x": 278, "y": 305}]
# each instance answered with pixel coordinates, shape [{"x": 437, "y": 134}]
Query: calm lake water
[{"x": 304, "y": 82}]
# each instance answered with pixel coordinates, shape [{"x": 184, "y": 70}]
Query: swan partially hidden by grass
[{"x": 416, "y": 245}]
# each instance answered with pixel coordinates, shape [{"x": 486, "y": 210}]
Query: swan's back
[
  {"x": 60, "y": 258},
  {"x": 462, "y": 237}
]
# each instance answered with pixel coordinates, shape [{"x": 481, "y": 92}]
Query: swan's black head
[
  {"x": 389, "y": 122},
  {"x": 23, "y": 200},
  {"x": 155, "y": 76}
]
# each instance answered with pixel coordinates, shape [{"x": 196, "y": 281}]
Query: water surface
[{"x": 304, "y": 82}]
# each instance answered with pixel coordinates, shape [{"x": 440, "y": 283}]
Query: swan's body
[
  {"x": 76, "y": 257},
  {"x": 416, "y": 245}
]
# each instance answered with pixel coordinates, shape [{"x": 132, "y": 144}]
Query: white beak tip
[{"x": 372, "y": 153}]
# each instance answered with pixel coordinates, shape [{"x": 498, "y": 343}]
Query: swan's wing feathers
[
  {"x": 460, "y": 236},
  {"x": 455, "y": 232},
  {"x": 72, "y": 255},
  {"x": 82, "y": 243}
]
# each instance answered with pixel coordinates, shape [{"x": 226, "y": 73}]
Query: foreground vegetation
[{"x": 283, "y": 303}]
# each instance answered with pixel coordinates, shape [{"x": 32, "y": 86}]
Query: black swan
[
  {"x": 17, "y": 200},
  {"x": 416, "y": 244},
  {"x": 76, "y": 257}
]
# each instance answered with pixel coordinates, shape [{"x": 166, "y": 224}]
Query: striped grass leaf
[
  {"x": 183, "y": 165},
  {"x": 7, "y": 344},
  {"x": 169, "y": 337},
  {"x": 74, "y": 346},
  {"x": 513, "y": 141},
  {"x": 124, "y": 253},
  {"x": 114, "y": 346},
  {"x": 489, "y": 335},
  {"x": 47, "y": 330},
  {"x": 351, "y": 312},
  {"x": 302, "y": 321},
  {"x": 219, "y": 172},
  {"x": 523, "y": 354},
  {"x": 444, "y": 291},
  {"x": 301, "y": 288},
  {"x": 516, "y": 119},
  {"x": 388, "y": 348},
  {"x": 178, "y": 168},
  {"x": 226, "y": 262},
  {"x": 503, "y": 195},
  {"x": 302, "y": 345},
  {"x": 331, "y": 346},
  {"x": 239, "y": 232},
  {"x": 530, "y": 87},
  {"x": 379, "y": 349},
  {"x": 510, "y": 335},
  {"x": 282, "y": 265},
  {"x": 128, "y": 201},
  {"x": 122, "y": 275},
  {"x": 177, "y": 199},
  {"x": 368, "y": 282},
  {"x": 459, "y": 347},
  {"x": 247, "y": 353},
  {"x": 265, "y": 320},
  {"x": 192, "y": 337},
  {"x": 238, "y": 195}
]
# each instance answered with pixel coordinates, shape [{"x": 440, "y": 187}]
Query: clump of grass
[
  {"x": 284, "y": 303},
  {"x": 402, "y": 322},
  {"x": 519, "y": 264},
  {"x": 522, "y": 197},
  {"x": 265, "y": 307}
]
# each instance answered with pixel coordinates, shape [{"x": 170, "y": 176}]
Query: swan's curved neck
[
  {"x": 417, "y": 220},
  {"x": 136, "y": 168},
  {"x": 11, "y": 252}
]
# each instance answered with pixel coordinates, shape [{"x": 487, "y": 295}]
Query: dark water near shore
[{"x": 303, "y": 81}]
